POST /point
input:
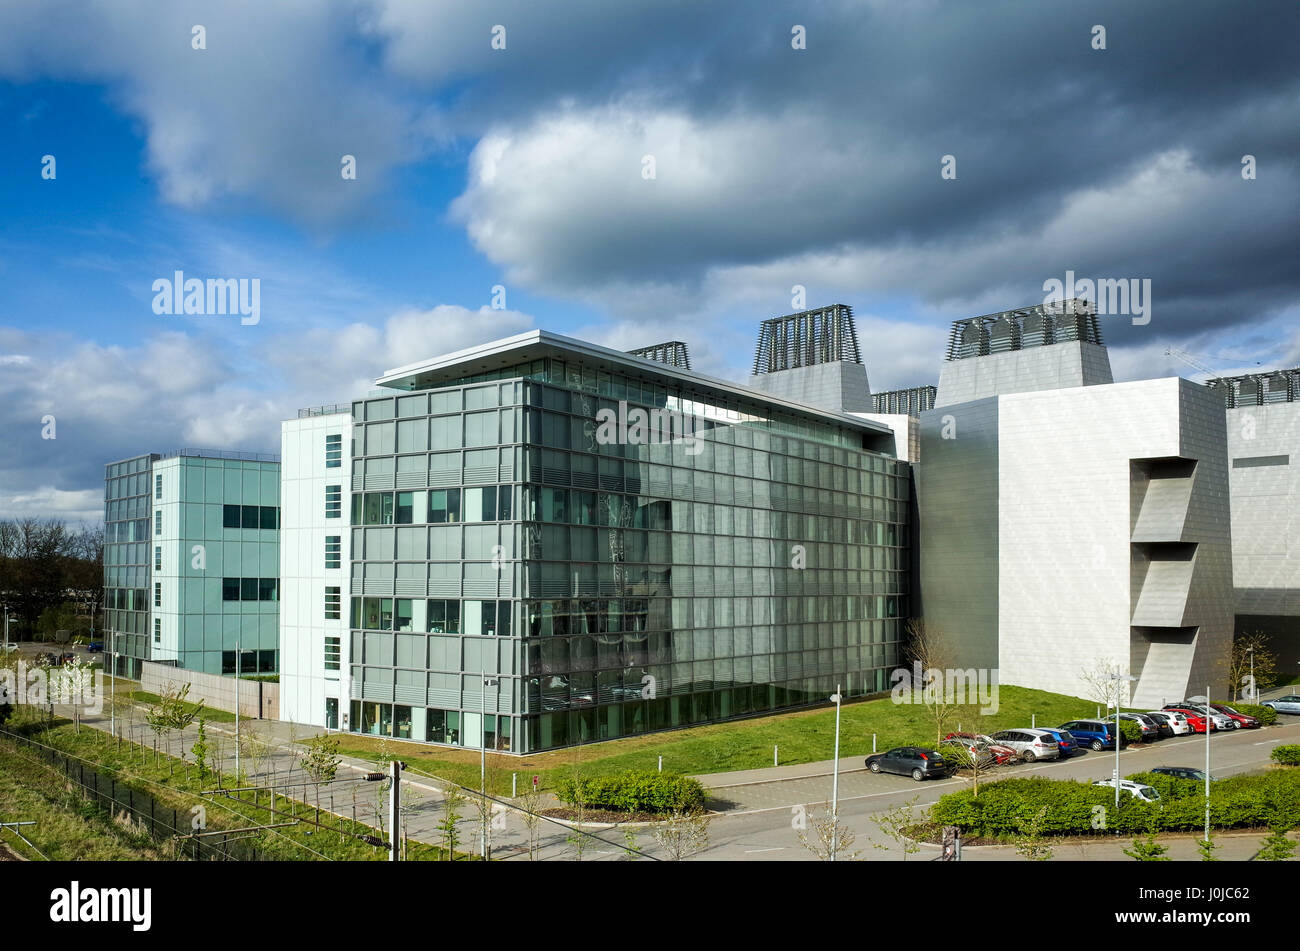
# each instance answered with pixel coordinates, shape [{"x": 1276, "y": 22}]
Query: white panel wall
[{"x": 304, "y": 682}]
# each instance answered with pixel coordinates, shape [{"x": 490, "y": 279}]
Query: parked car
[
  {"x": 95, "y": 647},
  {"x": 1149, "y": 729},
  {"x": 1195, "y": 719},
  {"x": 1066, "y": 743},
  {"x": 1140, "y": 790},
  {"x": 1182, "y": 772},
  {"x": 1030, "y": 744},
  {"x": 1243, "y": 720},
  {"x": 1175, "y": 723},
  {"x": 1288, "y": 704},
  {"x": 1002, "y": 754},
  {"x": 1219, "y": 720},
  {"x": 915, "y": 761},
  {"x": 964, "y": 749},
  {"x": 1095, "y": 734}
]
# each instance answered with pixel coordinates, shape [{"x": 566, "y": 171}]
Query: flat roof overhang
[{"x": 541, "y": 344}]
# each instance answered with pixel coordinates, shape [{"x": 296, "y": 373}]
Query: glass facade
[
  {"x": 128, "y": 535},
  {"x": 522, "y": 581}
]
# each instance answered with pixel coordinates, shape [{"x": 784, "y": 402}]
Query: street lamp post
[
  {"x": 482, "y": 764},
  {"x": 1119, "y": 679},
  {"x": 1254, "y": 690},
  {"x": 1208, "y": 726},
  {"x": 835, "y": 782}
]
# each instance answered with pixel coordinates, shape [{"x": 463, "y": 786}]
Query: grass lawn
[
  {"x": 210, "y": 714},
  {"x": 803, "y": 737}
]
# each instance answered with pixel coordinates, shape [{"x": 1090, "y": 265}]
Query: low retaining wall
[{"x": 257, "y": 700}]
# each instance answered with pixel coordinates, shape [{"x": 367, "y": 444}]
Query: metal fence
[{"x": 163, "y": 823}]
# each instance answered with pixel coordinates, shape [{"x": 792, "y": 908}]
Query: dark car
[
  {"x": 1150, "y": 729},
  {"x": 915, "y": 761},
  {"x": 1182, "y": 772},
  {"x": 1163, "y": 723},
  {"x": 1067, "y": 743},
  {"x": 95, "y": 647}
]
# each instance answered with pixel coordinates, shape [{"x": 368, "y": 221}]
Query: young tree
[
  {"x": 1031, "y": 842},
  {"x": 321, "y": 761},
  {"x": 1277, "y": 847},
  {"x": 896, "y": 823},
  {"x": 1250, "y": 653},
  {"x": 169, "y": 714},
  {"x": 1148, "y": 849},
  {"x": 683, "y": 834},
  {"x": 928, "y": 648},
  {"x": 1100, "y": 685},
  {"x": 1207, "y": 848},
  {"x": 829, "y": 836},
  {"x": 255, "y": 748},
  {"x": 452, "y": 801},
  {"x": 199, "y": 750},
  {"x": 530, "y": 801}
]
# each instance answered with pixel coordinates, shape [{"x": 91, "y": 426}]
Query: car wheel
[
  {"x": 1028, "y": 756},
  {"x": 918, "y": 775},
  {"x": 1098, "y": 745},
  {"x": 875, "y": 767}
]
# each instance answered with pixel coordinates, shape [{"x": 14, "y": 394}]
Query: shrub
[
  {"x": 1288, "y": 755},
  {"x": 1265, "y": 715},
  {"x": 635, "y": 791},
  {"x": 1169, "y": 787},
  {"x": 1130, "y": 731},
  {"x": 1270, "y": 799}
]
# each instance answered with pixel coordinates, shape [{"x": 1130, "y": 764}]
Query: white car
[
  {"x": 1140, "y": 790},
  {"x": 1177, "y": 721},
  {"x": 1029, "y": 743}
]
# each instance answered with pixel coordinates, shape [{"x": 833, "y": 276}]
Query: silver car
[
  {"x": 1031, "y": 744},
  {"x": 1287, "y": 704}
]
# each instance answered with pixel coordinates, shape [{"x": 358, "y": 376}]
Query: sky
[{"x": 626, "y": 173}]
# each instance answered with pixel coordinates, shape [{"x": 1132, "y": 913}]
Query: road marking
[{"x": 755, "y": 851}]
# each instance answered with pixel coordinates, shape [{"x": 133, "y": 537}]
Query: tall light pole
[
  {"x": 835, "y": 783},
  {"x": 112, "y": 686},
  {"x": 1254, "y": 690},
  {"x": 1119, "y": 679},
  {"x": 482, "y": 764},
  {"x": 237, "y": 711},
  {"x": 1208, "y": 724}
]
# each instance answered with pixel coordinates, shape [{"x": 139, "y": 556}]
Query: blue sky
[{"x": 523, "y": 167}]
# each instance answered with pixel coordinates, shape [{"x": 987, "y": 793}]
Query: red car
[
  {"x": 1243, "y": 720},
  {"x": 1001, "y": 754},
  {"x": 1195, "y": 720}
]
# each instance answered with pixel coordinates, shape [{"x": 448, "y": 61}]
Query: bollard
[
  {"x": 873, "y": 742},
  {"x": 514, "y": 785},
  {"x": 1033, "y": 719},
  {"x": 661, "y": 764},
  {"x": 776, "y": 756}
]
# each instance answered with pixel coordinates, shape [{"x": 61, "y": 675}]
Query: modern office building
[
  {"x": 554, "y": 543},
  {"x": 1066, "y": 520},
  {"x": 1263, "y": 412},
  {"x": 191, "y": 565}
]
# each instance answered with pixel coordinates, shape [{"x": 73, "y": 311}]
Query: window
[
  {"x": 333, "y": 604},
  {"x": 268, "y": 589},
  {"x": 444, "y": 617},
  {"x": 481, "y": 504},
  {"x": 405, "y": 512},
  {"x": 230, "y": 516},
  {"x": 333, "y": 652},
  {"x": 444, "y": 505},
  {"x": 229, "y": 589},
  {"x": 157, "y": 486},
  {"x": 157, "y": 594},
  {"x": 248, "y": 589},
  {"x": 157, "y": 522},
  {"x": 270, "y": 517},
  {"x": 157, "y": 558},
  {"x": 333, "y": 451},
  {"x": 333, "y": 550},
  {"x": 378, "y": 509},
  {"x": 157, "y": 629},
  {"x": 333, "y": 501}
]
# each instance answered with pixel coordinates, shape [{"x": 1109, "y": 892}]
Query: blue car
[
  {"x": 1068, "y": 744},
  {"x": 1095, "y": 734},
  {"x": 94, "y": 647}
]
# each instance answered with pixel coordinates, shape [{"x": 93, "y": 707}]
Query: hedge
[
  {"x": 1242, "y": 801},
  {"x": 1130, "y": 730},
  {"x": 1265, "y": 715},
  {"x": 635, "y": 791},
  {"x": 1288, "y": 755}
]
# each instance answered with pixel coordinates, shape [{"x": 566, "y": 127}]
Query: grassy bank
[{"x": 803, "y": 736}]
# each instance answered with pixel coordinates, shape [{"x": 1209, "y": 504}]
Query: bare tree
[
  {"x": 530, "y": 801},
  {"x": 1245, "y": 649},
  {"x": 931, "y": 651},
  {"x": 683, "y": 834},
  {"x": 169, "y": 715},
  {"x": 829, "y": 836},
  {"x": 1099, "y": 680},
  {"x": 896, "y": 823}
]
